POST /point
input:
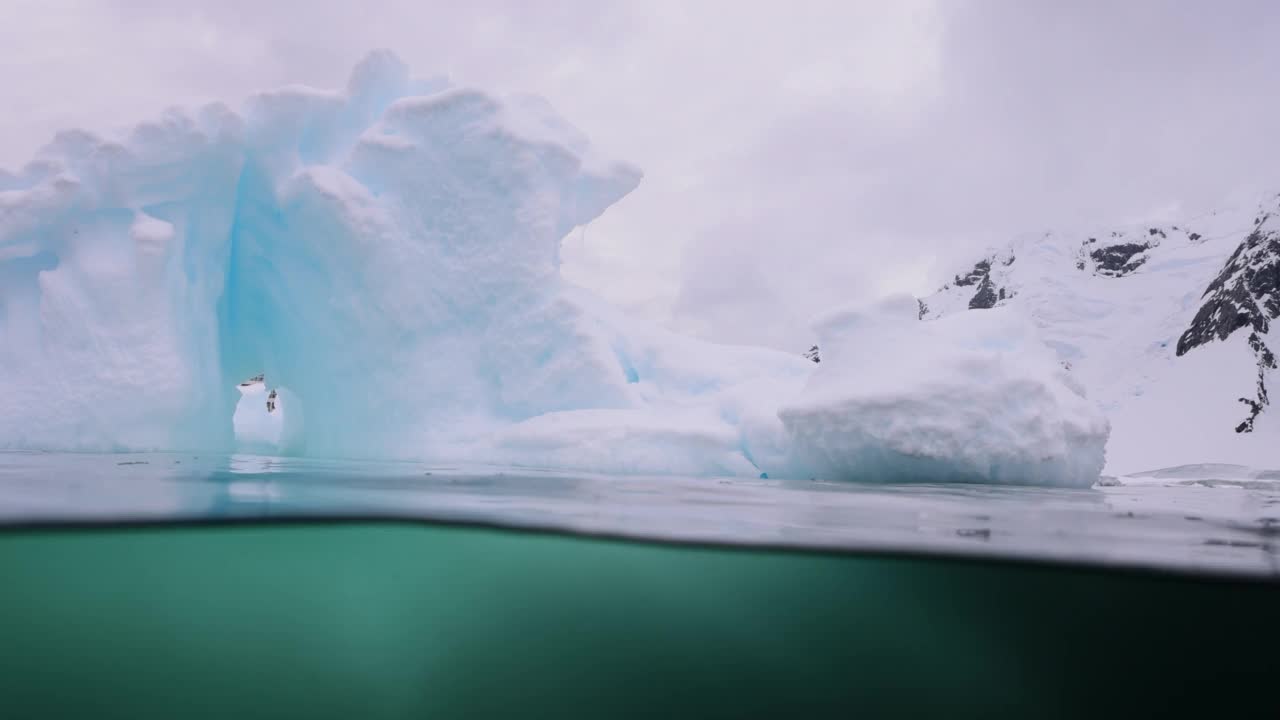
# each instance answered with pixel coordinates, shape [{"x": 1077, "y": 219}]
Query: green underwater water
[{"x": 380, "y": 620}]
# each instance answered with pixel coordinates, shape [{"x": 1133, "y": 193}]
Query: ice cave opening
[
  {"x": 267, "y": 419},
  {"x": 258, "y": 417}
]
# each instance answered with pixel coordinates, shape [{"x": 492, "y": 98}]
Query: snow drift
[
  {"x": 975, "y": 397},
  {"x": 388, "y": 255}
]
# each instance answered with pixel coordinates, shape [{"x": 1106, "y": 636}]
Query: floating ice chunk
[{"x": 972, "y": 397}]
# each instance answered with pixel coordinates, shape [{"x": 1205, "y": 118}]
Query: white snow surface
[
  {"x": 388, "y": 255},
  {"x": 1118, "y": 336},
  {"x": 975, "y": 397}
]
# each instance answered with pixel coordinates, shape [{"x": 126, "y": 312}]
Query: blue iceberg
[{"x": 388, "y": 256}]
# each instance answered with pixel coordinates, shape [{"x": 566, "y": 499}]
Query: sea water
[
  {"x": 172, "y": 585},
  {"x": 1191, "y": 522}
]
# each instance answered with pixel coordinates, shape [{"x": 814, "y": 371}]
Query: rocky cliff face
[{"x": 1244, "y": 297}]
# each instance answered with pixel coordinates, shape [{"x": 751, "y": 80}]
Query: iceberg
[
  {"x": 972, "y": 397},
  {"x": 388, "y": 257}
]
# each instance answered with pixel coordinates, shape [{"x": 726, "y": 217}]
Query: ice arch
[{"x": 388, "y": 253}]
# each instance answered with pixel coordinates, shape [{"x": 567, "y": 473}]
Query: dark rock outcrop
[
  {"x": 987, "y": 293},
  {"x": 1245, "y": 294},
  {"x": 1258, "y": 403},
  {"x": 980, "y": 272},
  {"x": 1120, "y": 259},
  {"x": 986, "y": 296},
  {"x": 1124, "y": 251}
]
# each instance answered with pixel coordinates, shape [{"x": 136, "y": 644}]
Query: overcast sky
[{"x": 797, "y": 154}]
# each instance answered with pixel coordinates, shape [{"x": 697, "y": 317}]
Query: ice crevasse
[{"x": 388, "y": 255}]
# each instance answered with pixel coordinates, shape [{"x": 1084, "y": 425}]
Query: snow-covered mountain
[{"x": 1168, "y": 327}]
